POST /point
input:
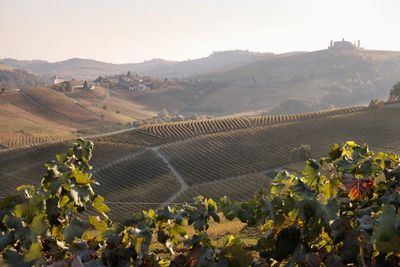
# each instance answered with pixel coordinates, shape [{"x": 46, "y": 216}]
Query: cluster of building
[
  {"x": 344, "y": 45},
  {"x": 70, "y": 85},
  {"x": 133, "y": 82}
]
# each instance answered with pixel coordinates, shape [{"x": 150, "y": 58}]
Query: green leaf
[
  {"x": 21, "y": 210},
  {"x": 97, "y": 223},
  {"x": 311, "y": 174},
  {"x": 5, "y": 240},
  {"x": 98, "y": 204},
  {"x": 34, "y": 253},
  {"x": 336, "y": 152},
  {"x": 73, "y": 230},
  {"x": 81, "y": 178},
  {"x": 386, "y": 232},
  {"x": 39, "y": 224},
  {"x": 64, "y": 200},
  {"x": 236, "y": 256},
  {"x": 61, "y": 157}
]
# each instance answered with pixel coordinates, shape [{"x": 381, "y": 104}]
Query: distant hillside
[
  {"x": 91, "y": 69},
  {"x": 338, "y": 78},
  {"x": 216, "y": 62},
  {"x": 11, "y": 79},
  {"x": 310, "y": 80}
]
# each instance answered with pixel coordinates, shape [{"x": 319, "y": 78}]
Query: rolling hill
[
  {"x": 316, "y": 80},
  {"x": 224, "y": 84},
  {"x": 174, "y": 162},
  {"x": 90, "y": 69},
  {"x": 34, "y": 115}
]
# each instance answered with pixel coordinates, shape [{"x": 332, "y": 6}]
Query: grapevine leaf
[
  {"x": 97, "y": 223},
  {"x": 81, "y": 178},
  {"x": 236, "y": 256},
  {"x": 64, "y": 200},
  {"x": 336, "y": 152},
  {"x": 34, "y": 252},
  {"x": 39, "y": 224},
  {"x": 73, "y": 230},
  {"x": 387, "y": 232},
  {"x": 98, "y": 204},
  {"x": 5, "y": 240}
]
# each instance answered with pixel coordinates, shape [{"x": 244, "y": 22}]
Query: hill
[
  {"x": 14, "y": 78},
  {"x": 90, "y": 69},
  {"x": 180, "y": 162},
  {"x": 309, "y": 80},
  {"x": 38, "y": 114}
]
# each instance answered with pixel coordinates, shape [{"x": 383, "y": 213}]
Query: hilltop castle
[{"x": 344, "y": 45}]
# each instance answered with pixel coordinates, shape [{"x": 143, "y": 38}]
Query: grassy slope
[{"x": 43, "y": 112}]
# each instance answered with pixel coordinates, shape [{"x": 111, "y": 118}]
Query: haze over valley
[{"x": 185, "y": 133}]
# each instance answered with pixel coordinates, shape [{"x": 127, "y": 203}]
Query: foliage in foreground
[{"x": 344, "y": 209}]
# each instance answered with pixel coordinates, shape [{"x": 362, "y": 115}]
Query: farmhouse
[{"x": 57, "y": 80}]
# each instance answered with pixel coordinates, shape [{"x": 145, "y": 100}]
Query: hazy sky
[{"x": 134, "y": 30}]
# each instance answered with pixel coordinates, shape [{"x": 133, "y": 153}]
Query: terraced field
[
  {"x": 143, "y": 169},
  {"x": 25, "y": 166},
  {"x": 238, "y": 188},
  {"x": 31, "y": 140},
  {"x": 141, "y": 182},
  {"x": 222, "y": 155},
  {"x": 187, "y": 129}
]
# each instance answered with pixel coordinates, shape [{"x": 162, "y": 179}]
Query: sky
[{"x": 127, "y": 31}]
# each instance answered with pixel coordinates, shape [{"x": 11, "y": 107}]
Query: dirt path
[{"x": 182, "y": 182}]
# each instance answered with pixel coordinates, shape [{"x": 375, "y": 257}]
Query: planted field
[
  {"x": 187, "y": 129},
  {"x": 134, "y": 137},
  {"x": 251, "y": 150},
  {"x": 25, "y": 140},
  {"x": 141, "y": 182},
  {"x": 25, "y": 166},
  {"x": 61, "y": 104},
  {"x": 239, "y": 188},
  {"x": 134, "y": 177}
]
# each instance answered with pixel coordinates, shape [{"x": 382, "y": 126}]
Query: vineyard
[
  {"x": 340, "y": 211},
  {"x": 164, "y": 132},
  {"x": 141, "y": 182},
  {"x": 239, "y": 188},
  {"x": 26, "y": 140},
  {"x": 213, "y": 164},
  {"x": 187, "y": 129}
]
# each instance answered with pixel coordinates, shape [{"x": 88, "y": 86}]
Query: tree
[
  {"x": 395, "y": 92},
  {"x": 376, "y": 103},
  {"x": 68, "y": 86},
  {"x": 301, "y": 153}
]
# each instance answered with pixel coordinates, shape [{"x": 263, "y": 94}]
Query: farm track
[{"x": 183, "y": 185}]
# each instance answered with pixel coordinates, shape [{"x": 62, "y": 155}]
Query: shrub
[
  {"x": 395, "y": 91},
  {"x": 301, "y": 153},
  {"x": 376, "y": 103}
]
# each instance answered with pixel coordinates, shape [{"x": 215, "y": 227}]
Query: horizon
[
  {"x": 123, "y": 31},
  {"x": 170, "y": 60}
]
